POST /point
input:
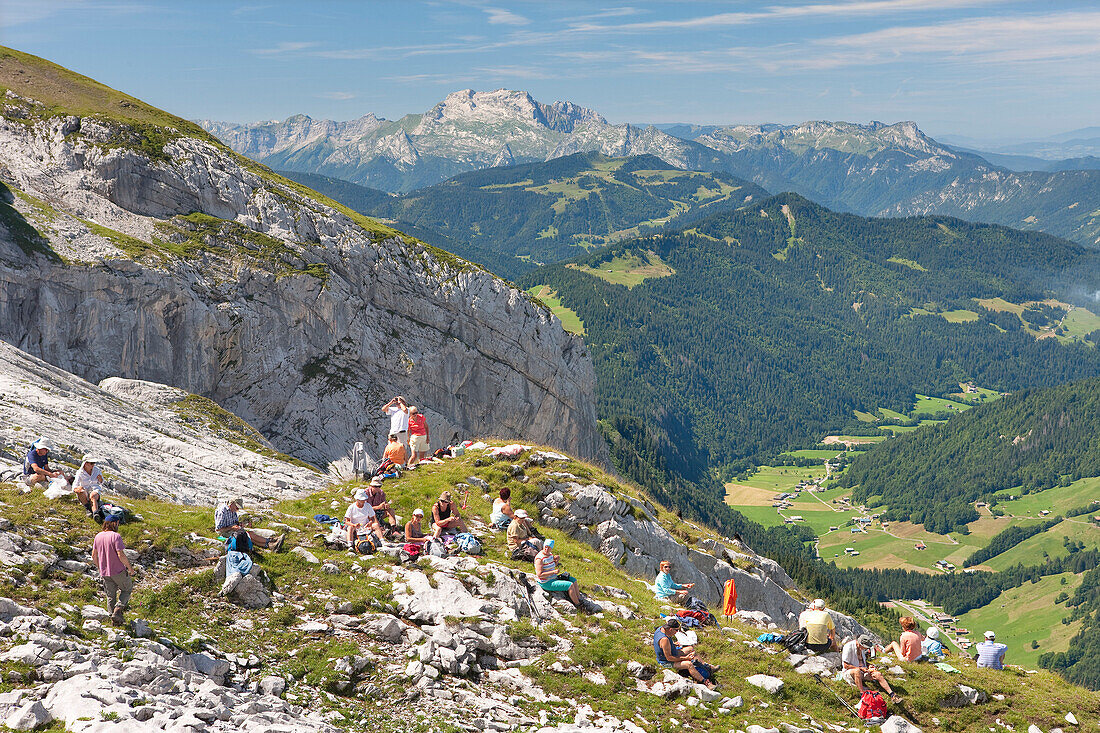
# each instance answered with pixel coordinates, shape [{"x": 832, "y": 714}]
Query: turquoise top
[{"x": 665, "y": 587}]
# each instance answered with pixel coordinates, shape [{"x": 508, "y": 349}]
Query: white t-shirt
[
  {"x": 853, "y": 654},
  {"x": 360, "y": 515},
  {"x": 85, "y": 480},
  {"x": 399, "y": 420}
]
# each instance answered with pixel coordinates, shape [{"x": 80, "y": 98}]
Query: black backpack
[
  {"x": 238, "y": 541},
  {"x": 796, "y": 640}
]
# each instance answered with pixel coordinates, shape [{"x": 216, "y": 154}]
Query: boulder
[
  {"x": 246, "y": 591},
  {"x": 766, "y": 682},
  {"x": 28, "y": 717},
  {"x": 306, "y": 555},
  {"x": 273, "y": 685},
  {"x": 963, "y": 697},
  {"x": 898, "y": 724}
]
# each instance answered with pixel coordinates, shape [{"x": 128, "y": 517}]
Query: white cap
[
  {"x": 91, "y": 458},
  {"x": 990, "y": 635},
  {"x": 819, "y": 603},
  {"x": 418, "y": 512},
  {"x": 933, "y": 632},
  {"x": 521, "y": 514},
  {"x": 43, "y": 443},
  {"x": 360, "y": 495}
]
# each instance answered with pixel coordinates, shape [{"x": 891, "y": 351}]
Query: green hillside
[{"x": 552, "y": 211}]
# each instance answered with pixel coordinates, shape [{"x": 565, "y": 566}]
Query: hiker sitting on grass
[
  {"x": 395, "y": 451},
  {"x": 376, "y": 497},
  {"x": 445, "y": 516},
  {"x": 670, "y": 655},
  {"x": 819, "y": 625},
  {"x": 908, "y": 646},
  {"x": 857, "y": 671},
  {"x": 109, "y": 556},
  {"x": 414, "y": 534},
  {"x": 502, "y": 513},
  {"x": 989, "y": 653},
  {"x": 36, "y": 466},
  {"x": 522, "y": 540},
  {"x": 667, "y": 590},
  {"x": 87, "y": 484},
  {"x": 550, "y": 579},
  {"x": 360, "y": 518},
  {"x": 931, "y": 648},
  {"x": 226, "y": 522}
]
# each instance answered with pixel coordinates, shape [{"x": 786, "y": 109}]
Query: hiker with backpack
[
  {"x": 857, "y": 669},
  {"x": 551, "y": 579},
  {"x": 671, "y": 655},
  {"x": 446, "y": 517},
  {"x": 522, "y": 540},
  {"x": 820, "y": 627},
  {"x": 667, "y": 590},
  {"x": 360, "y": 519},
  {"x": 227, "y": 524},
  {"x": 109, "y": 556},
  {"x": 87, "y": 484}
]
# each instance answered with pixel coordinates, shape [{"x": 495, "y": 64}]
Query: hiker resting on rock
[
  {"x": 395, "y": 452},
  {"x": 445, "y": 516},
  {"x": 378, "y": 501},
  {"x": 414, "y": 534},
  {"x": 226, "y": 521},
  {"x": 87, "y": 484},
  {"x": 360, "y": 518},
  {"x": 667, "y": 590},
  {"x": 522, "y": 540},
  {"x": 908, "y": 646},
  {"x": 671, "y": 655},
  {"x": 819, "y": 625},
  {"x": 109, "y": 556},
  {"x": 502, "y": 513},
  {"x": 36, "y": 466},
  {"x": 550, "y": 578},
  {"x": 419, "y": 444},
  {"x": 857, "y": 671}
]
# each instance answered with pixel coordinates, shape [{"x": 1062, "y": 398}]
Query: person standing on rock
[
  {"x": 36, "y": 466},
  {"x": 398, "y": 412},
  {"x": 820, "y": 628},
  {"x": 670, "y": 655},
  {"x": 109, "y": 556},
  {"x": 87, "y": 484},
  {"x": 549, "y": 577},
  {"x": 419, "y": 445}
]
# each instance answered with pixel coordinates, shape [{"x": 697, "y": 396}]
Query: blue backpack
[{"x": 468, "y": 543}]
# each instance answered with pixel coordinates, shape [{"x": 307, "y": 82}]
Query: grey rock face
[{"x": 306, "y": 358}]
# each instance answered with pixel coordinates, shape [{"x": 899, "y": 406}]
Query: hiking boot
[
  {"x": 116, "y": 617},
  {"x": 276, "y": 543}
]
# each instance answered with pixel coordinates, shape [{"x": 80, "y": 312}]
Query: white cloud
[
  {"x": 284, "y": 47},
  {"x": 338, "y": 96},
  {"x": 502, "y": 16}
]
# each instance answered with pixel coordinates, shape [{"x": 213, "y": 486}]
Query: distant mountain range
[
  {"x": 873, "y": 169},
  {"x": 512, "y": 219}
]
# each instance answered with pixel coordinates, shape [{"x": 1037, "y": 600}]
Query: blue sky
[{"x": 979, "y": 68}]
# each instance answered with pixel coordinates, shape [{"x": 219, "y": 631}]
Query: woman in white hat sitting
[{"x": 87, "y": 484}]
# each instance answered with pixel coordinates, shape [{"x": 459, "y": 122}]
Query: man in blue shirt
[
  {"x": 991, "y": 654},
  {"x": 670, "y": 655},
  {"x": 36, "y": 466}
]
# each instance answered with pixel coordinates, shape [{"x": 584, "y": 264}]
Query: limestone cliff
[{"x": 150, "y": 251}]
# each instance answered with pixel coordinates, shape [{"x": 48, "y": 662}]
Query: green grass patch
[
  {"x": 570, "y": 321},
  {"x": 908, "y": 263},
  {"x": 630, "y": 269}
]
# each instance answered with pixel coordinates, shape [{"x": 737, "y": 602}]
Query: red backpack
[{"x": 871, "y": 705}]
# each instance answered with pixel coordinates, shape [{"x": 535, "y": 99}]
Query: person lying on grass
[
  {"x": 226, "y": 520},
  {"x": 671, "y": 655},
  {"x": 549, "y": 577}
]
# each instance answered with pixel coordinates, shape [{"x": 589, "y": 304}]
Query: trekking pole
[
  {"x": 852, "y": 710},
  {"x": 465, "y": 497}
]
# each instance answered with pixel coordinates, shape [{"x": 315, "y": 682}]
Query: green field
[
  {"x": 629, "y": 270},
  {"x": 1035, "y": 549},
  {"x": 1025, "y": 614},
  {"x": 570, "y": 321},
  {"x": 1056, "y": 500},
  {"x": 815, "y": 453},
  {"x": 926, "y": 405}
]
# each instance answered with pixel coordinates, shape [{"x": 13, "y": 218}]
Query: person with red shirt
[
  {"x": 418, "y": 436},
  {"x": 908, "y": 646}
]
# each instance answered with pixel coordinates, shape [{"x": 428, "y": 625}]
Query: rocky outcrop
[{"x": 278, "y": 306}]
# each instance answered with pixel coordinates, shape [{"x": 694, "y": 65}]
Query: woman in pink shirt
[
  {"x": 908, "y": 646},
  {"x": 109, "y": 555}
]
